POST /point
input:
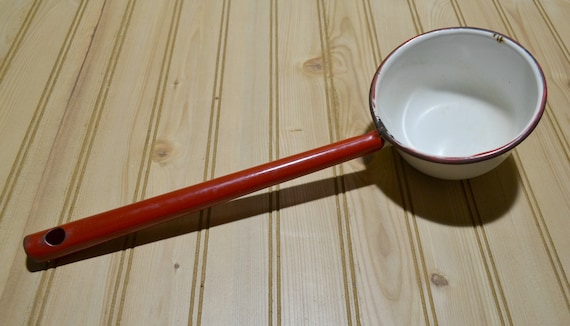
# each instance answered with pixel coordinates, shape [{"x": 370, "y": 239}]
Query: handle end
[{"x": 37, "y": 246}]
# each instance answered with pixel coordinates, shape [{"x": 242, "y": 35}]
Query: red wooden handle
[{"x": 90, "y": 231}]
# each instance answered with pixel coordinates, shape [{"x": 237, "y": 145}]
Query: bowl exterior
[{"x": 454, "y": 171}]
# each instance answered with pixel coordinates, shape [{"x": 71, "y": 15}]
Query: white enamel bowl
[{"x": 456, "y": 101}]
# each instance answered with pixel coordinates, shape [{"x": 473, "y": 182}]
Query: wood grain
[{"x": 103, "y": 103}]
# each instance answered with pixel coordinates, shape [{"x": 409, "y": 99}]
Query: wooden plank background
[{"x": 103, "y": 103}]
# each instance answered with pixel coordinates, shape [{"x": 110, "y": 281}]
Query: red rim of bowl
[{"x": 385, "y": 133}]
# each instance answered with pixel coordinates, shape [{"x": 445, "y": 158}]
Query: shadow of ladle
[{"x": 497, "y": 190}]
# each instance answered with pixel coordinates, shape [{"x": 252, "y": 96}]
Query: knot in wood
[
  {"x": 439, "y": 280},
  {"x": 314, "y": 66},
  {"x": 162, "y": 151}
]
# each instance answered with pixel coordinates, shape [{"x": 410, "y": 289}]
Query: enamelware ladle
[{"x": 454, "y": 102}]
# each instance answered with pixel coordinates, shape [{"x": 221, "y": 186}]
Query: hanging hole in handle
[{"x": 55, "y": 237}]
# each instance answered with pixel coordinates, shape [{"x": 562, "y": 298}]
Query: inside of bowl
[{"x": 457, "y": 93}]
